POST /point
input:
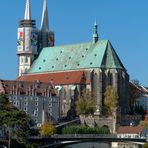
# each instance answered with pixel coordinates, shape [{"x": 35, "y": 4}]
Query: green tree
[
  {"x": 144, "y": 124},
  {"x": 16, "y": 122},
  {"x": 111, "y": 100},
  {"x": 86, "y": 104},
  {"x": 47, "y": 129}
]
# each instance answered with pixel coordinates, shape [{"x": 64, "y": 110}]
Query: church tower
[
  {"x": 46, "y": 37},
  {"x": 27, "y": 41}
]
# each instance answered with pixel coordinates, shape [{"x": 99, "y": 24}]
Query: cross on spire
[{"x": 27, "y": 11}]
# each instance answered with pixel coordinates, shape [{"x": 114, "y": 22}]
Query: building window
[
  {"x": 26, "y": 99},
  {"x": 50, "y": 104},
  {"x": 35, "y": 120},
  {"x": 36, "y": 103},
  {"x": 26, "y": 59},
  {"x": 25, "y": 109},
  {"x": 26, "y": 103},
  {"x": 36, "y": 99},
  {"x": 50, "y": 110},
  {"x": 14, "y": 98},
  {"x": 22, "y": 60},
  {"x": 35, "y": 114}
]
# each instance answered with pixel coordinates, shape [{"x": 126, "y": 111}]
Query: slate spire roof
[
  {"x": 27, "y": 15},
  {"x": 44, "y": 22}
]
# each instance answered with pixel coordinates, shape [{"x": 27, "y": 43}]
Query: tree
[
  {"x": 16, "y": 122},
  {"x": 143, "y": 124},
  {"x": 47, "y": 129},
  {"x": 86, "y": 104},
  {"x": 111, "y": 100}
]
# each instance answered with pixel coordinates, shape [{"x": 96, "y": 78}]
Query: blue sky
[{"x": 123, "y": 22}]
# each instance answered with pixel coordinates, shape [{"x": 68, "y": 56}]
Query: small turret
[{"x": 95, "y": 32}]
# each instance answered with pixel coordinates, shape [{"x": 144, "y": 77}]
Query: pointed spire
[
  {"x": 95, "y": 32},
  {"x": 44, "y": 23},
  {"x": 27, "y": 11}
]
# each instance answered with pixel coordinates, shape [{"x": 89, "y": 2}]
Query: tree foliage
[
  {"x": 47, "y": 129},
  {"x": 86, "y": 104},
  {"x": 111, "y": 100},
  {"x": 16, "y": 122},
  {"x": 144, "y": 124},
  {"x": 145, "y": 145}
]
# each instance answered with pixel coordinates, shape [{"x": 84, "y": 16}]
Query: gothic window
[{"x": 110, "y": 78}]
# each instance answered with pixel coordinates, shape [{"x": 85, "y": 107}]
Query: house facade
[{"x": 39, "y": 100}]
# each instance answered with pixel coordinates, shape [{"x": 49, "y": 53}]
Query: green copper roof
[{"x": 74, "y": 57}]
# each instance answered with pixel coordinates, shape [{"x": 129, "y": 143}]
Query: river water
[{"x": 89, "y": 145}]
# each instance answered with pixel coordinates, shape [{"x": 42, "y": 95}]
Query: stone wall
[{"x": 103, "y": 121}]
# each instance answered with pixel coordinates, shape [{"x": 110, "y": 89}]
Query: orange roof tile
[
  {"x": 60, "y": 78},
  {"x": 129, "y": 129}
]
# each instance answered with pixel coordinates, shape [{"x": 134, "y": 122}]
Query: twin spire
[{"x": 44, "y": 22}]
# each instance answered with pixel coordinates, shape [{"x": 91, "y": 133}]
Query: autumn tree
[
  {"x": 145, "y": 145},
  {"x": 86, "y": 104},
  {"x": 47, "y": 129},
  {"x": 110, "y": 100}
]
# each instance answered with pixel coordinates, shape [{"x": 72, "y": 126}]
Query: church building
[{"x": 71, "y": 68}]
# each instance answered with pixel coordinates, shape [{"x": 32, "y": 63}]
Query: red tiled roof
[
  {"x": 129, "y": 129},
  {"x": 22, "y": 87},
  {"x": 60, "y": 78}
]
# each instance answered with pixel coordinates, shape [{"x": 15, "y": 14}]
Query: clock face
[{"x": 34, "y": 38}]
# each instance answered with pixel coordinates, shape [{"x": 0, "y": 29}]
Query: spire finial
[
  {"x": 27, "y": 11},
  {"x": 95, "y": 32},
  {"x": 44, "y": 23}
]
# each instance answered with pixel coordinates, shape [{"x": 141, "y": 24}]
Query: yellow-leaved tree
[
  {"x": 86, "y": 104},
  {"x": 47, "y": 129},
  {"x": 111, "y": 100}
]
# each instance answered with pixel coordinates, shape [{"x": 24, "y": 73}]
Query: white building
[{"x": 129, "y": 132}]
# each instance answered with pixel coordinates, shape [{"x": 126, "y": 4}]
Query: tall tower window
[{"x": 26, "y": 59}]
